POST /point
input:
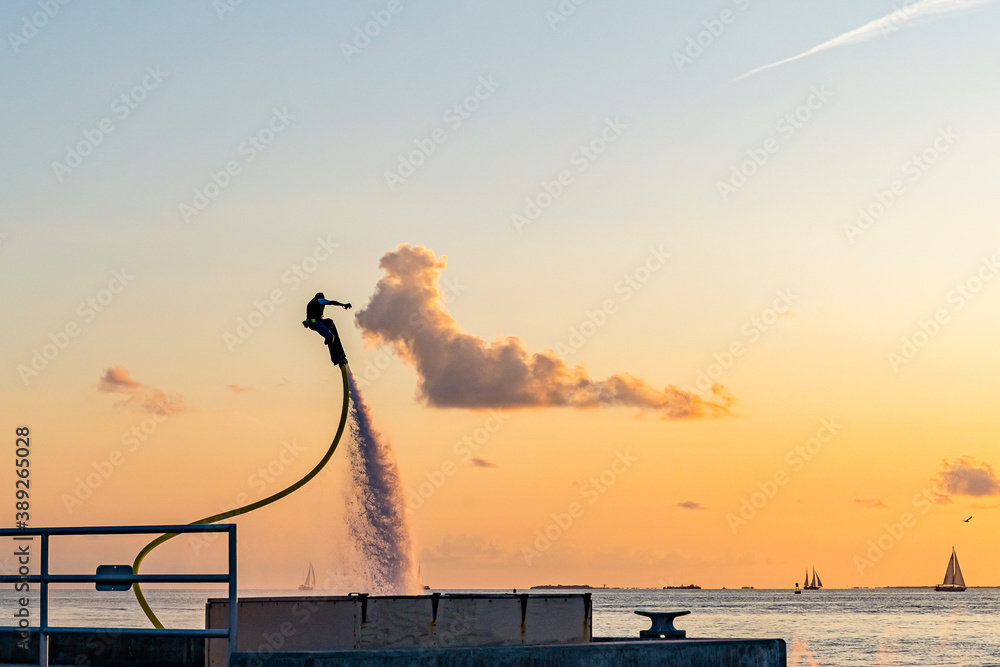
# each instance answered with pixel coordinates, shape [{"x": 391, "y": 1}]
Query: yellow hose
[{"x": 246, "y": 508}]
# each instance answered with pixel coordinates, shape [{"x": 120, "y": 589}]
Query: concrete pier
[
  {"x": 107, "y": 649},
  {"x": 335, "y": 623},
  {"x": 460, "y": 630},
  {"x": 638, "y": 653}
]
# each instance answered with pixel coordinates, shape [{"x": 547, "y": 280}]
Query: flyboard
[{"x": 246, "y": 508}]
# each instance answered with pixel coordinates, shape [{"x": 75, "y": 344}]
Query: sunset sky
[{"x": 649, "y": 195}]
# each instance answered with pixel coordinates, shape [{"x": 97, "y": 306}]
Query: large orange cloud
[{"x": 459, "y": 370}]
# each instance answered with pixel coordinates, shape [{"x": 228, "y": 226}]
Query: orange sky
[{"x": 636, "y": 273}]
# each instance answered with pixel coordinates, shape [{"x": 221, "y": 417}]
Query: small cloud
[
  {"x": 967, "y": 477},
  {"x": 238, "y": 388},
  {"x": 691, "y": 505},
  {"x": 483, "y": 463},
  {"x": 871, "y": 503},
  {"x": 117, "y": 378},
  {"x": 139, "y": 396}
]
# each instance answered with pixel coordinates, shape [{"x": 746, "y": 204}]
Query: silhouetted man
[{"x": 325, "y": 327}]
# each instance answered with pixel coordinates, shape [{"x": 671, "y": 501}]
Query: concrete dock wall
[
  {"x": 679, "y": 653},
  {"x": 106, "y": 649},
  {"x": 324, "y": 623}
]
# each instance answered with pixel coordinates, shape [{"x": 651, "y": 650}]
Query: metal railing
[{"x": 44, "y": 578}]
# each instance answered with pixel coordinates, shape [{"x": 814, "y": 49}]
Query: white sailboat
[
  {"x": 954, "y": 582},
  {"x": 310, "y": 581},
  {"x": 813, "y": 585}
]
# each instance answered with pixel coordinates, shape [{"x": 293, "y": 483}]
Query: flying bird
[{"x": 967, "y": 520}]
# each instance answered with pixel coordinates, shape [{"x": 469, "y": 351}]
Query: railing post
[
  {"x": 43, "y": 604},
  {"x": 233, "y": 598}
]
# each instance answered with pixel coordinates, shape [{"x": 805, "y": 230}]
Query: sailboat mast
[{"x": 959, "y": 579}]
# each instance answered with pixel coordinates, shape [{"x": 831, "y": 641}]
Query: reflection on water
[{"x": 826, "y": 628}]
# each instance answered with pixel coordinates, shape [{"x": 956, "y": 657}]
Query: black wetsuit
[{"x": 325, "y": 328}]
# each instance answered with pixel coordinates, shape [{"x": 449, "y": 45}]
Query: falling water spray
[{"x": 376, "y": 510}]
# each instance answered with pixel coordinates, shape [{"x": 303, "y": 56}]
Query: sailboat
[
  {"x": 953, "y": 579},
  {"x": 310, "y": 581},
  {"x": 813, "y": 585}
]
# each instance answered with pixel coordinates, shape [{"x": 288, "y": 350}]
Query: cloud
[
  {"x": 691, "y": 505},
  {"x": 483, "y": 463},
  {"x": 871, "y": 503},
  {"x": 139, "y": 396},
  {"x": 117, "y": 378},
  {"x": 239, "y": 388},
  {"x": 459, "y": 370},
  {"x": 967, "y": 477},
  {"x": 891, "y": 22}
]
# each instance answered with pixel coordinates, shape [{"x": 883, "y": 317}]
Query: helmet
[{"x": 319, "y": 295}]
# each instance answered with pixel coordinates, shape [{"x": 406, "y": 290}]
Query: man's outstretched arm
[{"x": 327, "y": 302}]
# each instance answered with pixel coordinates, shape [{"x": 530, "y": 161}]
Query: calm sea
[{"x": 843, "y": 628}]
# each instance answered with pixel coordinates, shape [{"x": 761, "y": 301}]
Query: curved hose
[{"x": 246, "y": 508}]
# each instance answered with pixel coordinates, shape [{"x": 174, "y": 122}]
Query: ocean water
[{"x": 826, "y": 628}]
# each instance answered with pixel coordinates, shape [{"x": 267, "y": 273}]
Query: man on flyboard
[{"x": 325, "y": 327}]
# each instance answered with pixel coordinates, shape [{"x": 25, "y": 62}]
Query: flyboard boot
[{"x": 337, "y": 354}]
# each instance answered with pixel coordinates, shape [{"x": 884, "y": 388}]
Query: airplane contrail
[{"x": 920, "y": 9}]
